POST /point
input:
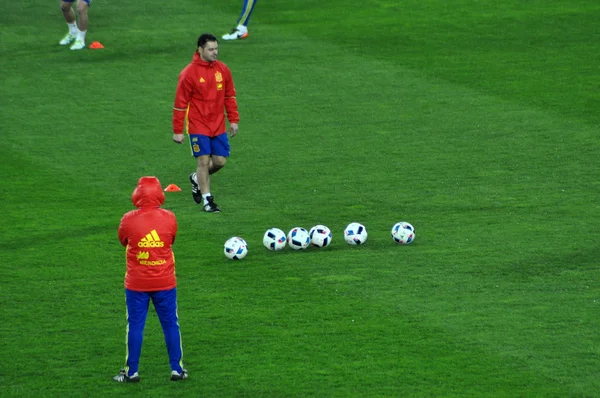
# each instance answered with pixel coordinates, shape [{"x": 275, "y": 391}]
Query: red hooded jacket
[
  {"x": 204, "y": 92},
  {"x": 148, "y": 234}
]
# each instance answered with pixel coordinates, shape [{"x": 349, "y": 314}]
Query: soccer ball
[
  {"x": 355, "y": 234},
  {"x": 403, "y": 233},
  {"x": 320, "y": 236},
  {"x": 235, "y": 248},
  {"x": 274, "y": 239},
  {"x": 298, "y": 238}
]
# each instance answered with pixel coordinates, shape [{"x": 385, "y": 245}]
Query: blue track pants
[{"x": 165, "y": 304}]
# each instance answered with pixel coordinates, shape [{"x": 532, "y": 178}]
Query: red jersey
[
  {"x": 148, "y": 234},
  {"x": 205, "y": 91}
]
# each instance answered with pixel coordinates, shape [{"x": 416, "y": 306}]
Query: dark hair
[{"x": 206, "y": 37}]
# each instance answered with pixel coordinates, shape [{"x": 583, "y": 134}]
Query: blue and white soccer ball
[
  {"x": 236, "y": 248},
  {"x": 355, "y": 234},
  {"x": 320, "y": 236},
  {"x": 298, "y": 238},
  {"x": 403, "y": 233},
  {"x": 274, "y": 239}
]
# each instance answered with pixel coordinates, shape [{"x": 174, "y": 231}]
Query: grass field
[{"x": 476, "y": 121}]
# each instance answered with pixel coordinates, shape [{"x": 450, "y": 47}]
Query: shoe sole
[
  {"x": 245, "y": 35},
  {"x": 179, "y": 377},
  {"x": 136, "y": 380}
]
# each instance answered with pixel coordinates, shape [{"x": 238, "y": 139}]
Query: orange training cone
[
  {"x": 172, "y": 188},
  {"x": 96, "y": 45}
]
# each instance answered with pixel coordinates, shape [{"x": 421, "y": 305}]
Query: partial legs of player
[
  {"x": 241, "y": 30},
  {"x": 207, "y": 165},
  {"x": 77, "y": 30}
]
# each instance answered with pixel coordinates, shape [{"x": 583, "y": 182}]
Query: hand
[
  {"x": 178, "y": 138},
  {"x": 233, "y": 129}
]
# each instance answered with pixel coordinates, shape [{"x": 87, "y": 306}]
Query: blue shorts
[
  {"x": 89, "y": 2},
  {"x": 205, "y": 145}
]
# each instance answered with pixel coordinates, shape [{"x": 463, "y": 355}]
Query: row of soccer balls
[{"x": 299, "y": 238}]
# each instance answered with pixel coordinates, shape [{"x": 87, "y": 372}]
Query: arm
[
  {"x": 174, "y": 228},
  {"x": 183, "y": 95},
  {"x": 122, "y": 232},
  {"x": 231, "y": 107}
]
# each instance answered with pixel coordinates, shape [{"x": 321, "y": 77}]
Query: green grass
[{"x": 476, "y": 122}]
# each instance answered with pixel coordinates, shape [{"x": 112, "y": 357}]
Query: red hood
[
  {"x": 197, "y": 59},
  {"x": 148, "y": 193}
]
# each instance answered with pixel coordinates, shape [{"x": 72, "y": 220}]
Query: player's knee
[
  {"x": 136, "y": 326},
  {"x": 169, "y": 322},
  {"x": 219, "y": 162},
  {"x": 203, "y": 161},
  {"x": 64, "y": 6},
  {"x": 82, "y": 7}
]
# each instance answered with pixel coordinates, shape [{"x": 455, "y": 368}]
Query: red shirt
[
  {"x": 204, "y": 91},
  {"x": 148, "y": 234}
]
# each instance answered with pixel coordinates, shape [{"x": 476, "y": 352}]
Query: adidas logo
[{"x": 151, "y": 240}]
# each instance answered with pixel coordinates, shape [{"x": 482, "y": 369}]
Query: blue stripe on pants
[{"x": 165, "y": 304}]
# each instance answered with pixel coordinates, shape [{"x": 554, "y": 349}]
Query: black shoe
[
  {"x": 176, "y": 376},
  {"x": 196, "y": 194},
  {"x": 123, "y": 378},
  {"x": 211, "y": 206}
]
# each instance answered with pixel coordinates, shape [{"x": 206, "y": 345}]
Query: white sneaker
[
  {"x": 68, "y": 39},
  {"x": 78, "y": 45},
  {"x": 176, "y": 376},
  {"x": 241, "y": 32}
]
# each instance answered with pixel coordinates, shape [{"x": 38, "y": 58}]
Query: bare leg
[
  {"x": 82, "y": 10},
  {"x": 216, "y": 164},
  {"x": 67, "y": 11},
  {"x": 202, "y": 171}
]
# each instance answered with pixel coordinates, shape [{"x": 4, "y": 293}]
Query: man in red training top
[
  {"x": 205, "y": 91},
  {"x": 148, "y": 234}
]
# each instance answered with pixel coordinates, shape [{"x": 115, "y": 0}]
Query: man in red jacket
[
  {"x": 148, "y": 234},
  {"x": 205, "y": 92}
]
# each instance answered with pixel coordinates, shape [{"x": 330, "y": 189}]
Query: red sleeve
[
  {"x": 230, "y": 102},
  {"x": 183, "y": 94},
  {"x": 174, "y": 227},
  {"x": 122, "y": 232}
]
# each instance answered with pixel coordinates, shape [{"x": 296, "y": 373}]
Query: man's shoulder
[
  {"x": 130, "y": 213},
  {"x": 187, "y": 68},
  {"x": 222, "y": 65},
  {"x": 165, "y": 211},
  {"x": 127, "y": 218},
  {"x": 165, "y": 215},
  {"x": 157, "y": 214}
]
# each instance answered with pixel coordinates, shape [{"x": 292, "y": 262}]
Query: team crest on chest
[{"x": 218, "y": 77}]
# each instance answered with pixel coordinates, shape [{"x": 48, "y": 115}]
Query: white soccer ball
[
  {"x": 320, "y": 236},
  {"x": 236, "y": 248},
  {"x": 403, "y": 233},
  {"x": 355, "y": 234},
  {"x": 274, "y": 239},
  {"x": 298, "y": 238}
]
